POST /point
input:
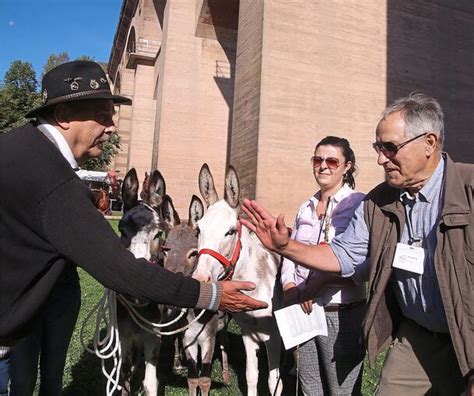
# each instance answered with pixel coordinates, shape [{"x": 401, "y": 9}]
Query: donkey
[
  {"x": 228, "y": 250},
  {"x": 142, "y": 232},
  {"x": 181, "y": 256}
]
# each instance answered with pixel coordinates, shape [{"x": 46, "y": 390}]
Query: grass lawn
[{"x": 82, "y": 374}]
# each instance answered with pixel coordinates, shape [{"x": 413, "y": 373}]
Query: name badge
[{"x": 409, "y": 258}]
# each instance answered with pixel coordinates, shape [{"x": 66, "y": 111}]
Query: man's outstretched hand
[
  {"x": 271, "y": 231},
  {"x": 233, "y": 300}
]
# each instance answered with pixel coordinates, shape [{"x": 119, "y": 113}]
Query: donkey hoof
[{"x": 204, "y": 385}]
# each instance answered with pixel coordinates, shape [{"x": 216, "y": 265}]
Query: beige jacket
[{"x": 454, "y": 262}]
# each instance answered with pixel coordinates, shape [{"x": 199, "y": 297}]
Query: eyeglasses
[
  {"x": 331, "y": 162},
  {"x": 390, "y": 149}
]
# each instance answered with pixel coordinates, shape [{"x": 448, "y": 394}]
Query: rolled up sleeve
[
  {"x": 287, "y": 266},
  {"x": 352, "y": 247}
]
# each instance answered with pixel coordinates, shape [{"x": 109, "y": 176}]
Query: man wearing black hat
[{"x": 48, "y": 222}]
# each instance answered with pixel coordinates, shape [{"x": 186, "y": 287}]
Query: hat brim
[{"x": 116, "y": 99}]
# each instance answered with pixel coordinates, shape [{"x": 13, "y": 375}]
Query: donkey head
[
  {"x": 182, "y": 241},
  {"x": 218, "y": 229},
  {"x": 142, "y": 227}
]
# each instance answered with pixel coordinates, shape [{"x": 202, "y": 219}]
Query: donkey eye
[
  {"x": 192, "y": 253},
  {"x": 232, "y": 231},
  {"x": 160, "y": 235}
]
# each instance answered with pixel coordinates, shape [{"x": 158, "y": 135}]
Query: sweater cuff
[
  {"x": 210, "y": 295},
  {"x": 4, "y": 352}
]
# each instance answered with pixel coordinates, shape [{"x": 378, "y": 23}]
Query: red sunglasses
[{"x": 331, "y": 162}]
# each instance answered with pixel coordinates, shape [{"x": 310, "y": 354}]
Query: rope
[
  {"x": 297, "y": 369},
  {"x": 276, "y": 386},
  {"x": 143, "y": 323},
  {"x": 109, "y": 346}
]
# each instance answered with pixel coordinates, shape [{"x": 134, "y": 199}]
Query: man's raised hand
[{"x": 271, "y": 231}]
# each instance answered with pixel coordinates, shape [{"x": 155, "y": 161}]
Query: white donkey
[{"x": 228, "y": 250}]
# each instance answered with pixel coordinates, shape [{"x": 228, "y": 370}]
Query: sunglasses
[
  {"x": 331, "y": 162},
  {"x": 390, "y": 149}
]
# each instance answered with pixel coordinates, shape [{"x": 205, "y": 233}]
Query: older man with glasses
[{"x": 417, "y": 230}]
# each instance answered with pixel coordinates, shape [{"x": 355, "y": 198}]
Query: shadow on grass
[
  {"x": 237, "y": 360},
  {"x": 169, "y": 380},
  {"x": 87, "y": 378},
  {"x": 82, "y": 382},
  {"x": 237, "y": 365}
]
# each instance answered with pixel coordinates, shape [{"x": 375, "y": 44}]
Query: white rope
[
  {"x": 109, "y": 346},
  {"x": 297, "y": 368},
  {"x": 145, "y": 324},
  {"x": 131, "y": 305}
]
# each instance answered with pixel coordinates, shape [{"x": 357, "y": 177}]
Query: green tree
[
  {"x": 58, "y": 59},
  {"x": 110, "y": 150},
  {"x": 86, "y": 57},
  {"x": 18, "y": 95},
  {"x": 55, "y": 60}
]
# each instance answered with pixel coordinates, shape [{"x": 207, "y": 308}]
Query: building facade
[{"x": 257, "y": 83}]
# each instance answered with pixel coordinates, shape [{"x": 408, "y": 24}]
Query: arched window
[
  {"x": 131, "y": 42},
  {"x": 117, "y": 85}
]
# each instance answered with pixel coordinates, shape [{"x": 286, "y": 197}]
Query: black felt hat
[{"x": 76, "y": 80}]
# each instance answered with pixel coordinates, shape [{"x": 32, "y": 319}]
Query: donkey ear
[
  {"x": 206, "y": 185},
  {"x": 168, "y": 213},
  {"x": 145, "y": 186},
  {"x": 232, "y": 187},
  {"x": 130, "y": 190},
  {"x": 196, "y": 211},
  {"x": 156, "y": 189}
]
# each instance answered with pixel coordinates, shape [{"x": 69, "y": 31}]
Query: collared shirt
[
  {"x": 419, "y": 296},
  {"x": 307, "y": 229},
  {"x": 60, "y": 142}
]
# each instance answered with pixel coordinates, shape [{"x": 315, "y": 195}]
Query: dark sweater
[{"x": 48, "y": 221}]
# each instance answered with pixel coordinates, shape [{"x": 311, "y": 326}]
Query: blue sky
[{"x": 30, "y": 30}]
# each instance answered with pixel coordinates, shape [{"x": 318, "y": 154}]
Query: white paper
[
  {"x": 297, "y": 327},
  {"x": 409, "y": 258}
]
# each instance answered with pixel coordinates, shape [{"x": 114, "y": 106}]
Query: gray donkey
[
  {"x": 180, "y": 250},
  {"x": 143, "y": 232}
]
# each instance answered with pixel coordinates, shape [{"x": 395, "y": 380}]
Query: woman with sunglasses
[{"x": 332, "y": 364}]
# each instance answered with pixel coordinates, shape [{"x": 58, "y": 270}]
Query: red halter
[{"x": 228, "y": 265}]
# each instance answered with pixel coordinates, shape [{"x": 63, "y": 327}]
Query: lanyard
[
  {"x": 412, "y": 240},
  {"x": 323, "y": 224}
]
